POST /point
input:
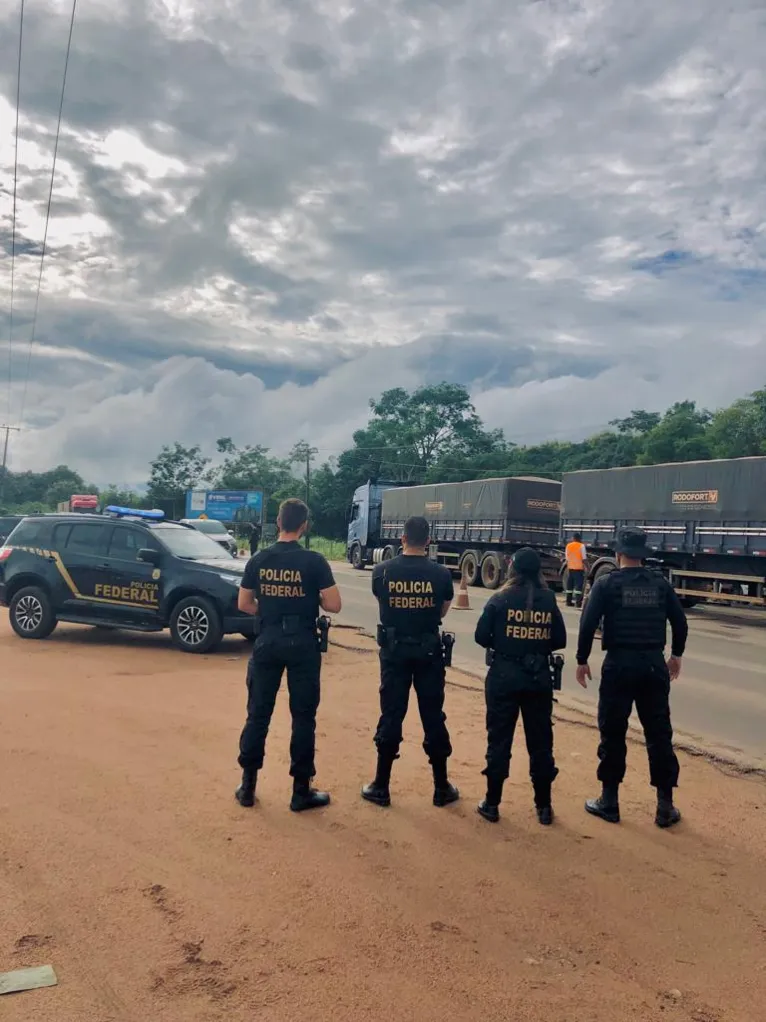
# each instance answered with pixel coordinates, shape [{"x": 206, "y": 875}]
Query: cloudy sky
[{"x": 267, "y": 212}]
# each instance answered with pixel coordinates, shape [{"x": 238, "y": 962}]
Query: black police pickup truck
[{"x": 121, "y": 569}]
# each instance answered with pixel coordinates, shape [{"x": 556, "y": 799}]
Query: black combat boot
[
  {"x": 488, "y": 808},
  {"x": 543, "y": 803},
  {"x": 306, "y": 797},
  {"x": 378, "y": 791},
  {"x": 245, "y": 793},
  {"x": 667, "y": 814},
  {"x": 444, "y": 792},
  {"x": 607, "y": 807}
]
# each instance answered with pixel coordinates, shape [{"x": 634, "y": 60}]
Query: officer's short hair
[
  {"x": 577, "y": 537},
  {"x": 292, "y": 514},
  {"x": 417, "y": 531}
]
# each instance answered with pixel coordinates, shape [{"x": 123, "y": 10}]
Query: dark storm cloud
[{"x": 360, "y": 195}]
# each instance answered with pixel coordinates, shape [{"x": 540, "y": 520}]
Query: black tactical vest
[{"x": 635, "y": 611}]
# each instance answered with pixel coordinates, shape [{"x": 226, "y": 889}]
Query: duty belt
[
  {"x": 295, "y": 625},
  {"x": 289, "y": 624},
  {"x": 391, "y": 638}
]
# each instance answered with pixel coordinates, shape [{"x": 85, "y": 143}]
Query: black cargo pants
[
  {"x": 509, "y": 691},
  {"x": 418, "y": 665},
  {"x": 628, "y": 677},
  {"x": 575, "y": 586},
  {"x": 273, "y": 654}
]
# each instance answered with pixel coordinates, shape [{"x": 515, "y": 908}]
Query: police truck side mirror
[{"x": 149, "y": 556}]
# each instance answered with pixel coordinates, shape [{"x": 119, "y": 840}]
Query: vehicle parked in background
[
  {"x": 476, "y": 525},
  {"x": 216, "y": 531},
  {"x": 84, "y": 503},
  {"x": 125, "y": 568},
  {"x": 705, "y": 521}
]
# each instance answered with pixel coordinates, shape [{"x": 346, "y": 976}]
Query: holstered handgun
[
  {"x": 323, "y": 633},
  {"x": 448, "y": 641},
  {"x": 257, "y": 626},
  {"x": 386, "y": 638},
  {"x": 489, "y": 657},
  {"x": 556, "y": 664}
]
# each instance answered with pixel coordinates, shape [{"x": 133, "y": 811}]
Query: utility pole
[
  {"x": 303, "y": 452},
  {"x": 4, "y": 470}
]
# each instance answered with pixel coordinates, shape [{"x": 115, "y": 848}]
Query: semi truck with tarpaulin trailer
[
  {"x": 476, "y": 525},
  {"x": 705, "y": 521}
]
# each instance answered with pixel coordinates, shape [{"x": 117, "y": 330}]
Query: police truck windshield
[{"x": 188, "y": 544}]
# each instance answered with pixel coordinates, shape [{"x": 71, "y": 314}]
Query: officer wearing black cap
[
  {"x": 635, "y": 603},
  {"x": 285, "y": 585},
  {"x": 522, "y": 626},
  {"x": 414, "y": 594}
]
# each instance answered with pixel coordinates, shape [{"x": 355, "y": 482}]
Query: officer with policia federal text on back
[
  {"x": 521, "y": 626},
  {"x": 414, "y": 594},
  {"x": 285, "y": 585},
  {"x": 635, "y": 603}
]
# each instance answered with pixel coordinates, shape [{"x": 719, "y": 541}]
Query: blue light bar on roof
[{"x": 132, "y": 512}]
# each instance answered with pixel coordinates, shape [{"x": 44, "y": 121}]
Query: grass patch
[{"x": 332, "y": 549}]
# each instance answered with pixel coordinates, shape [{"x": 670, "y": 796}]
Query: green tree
[
  {"x": 637, "y": 422},
  {"x": 250, "y": 468},
  {"x": 113, "y": 494},
  {"x": 173, "y": 472},
  {"x": 740, "y": 429},
  {"x": 679, "y": 436}
]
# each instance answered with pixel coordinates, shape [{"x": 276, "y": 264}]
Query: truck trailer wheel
[
  {"x": 491, "y": 571},
  {"x": 469, "y": 567}
]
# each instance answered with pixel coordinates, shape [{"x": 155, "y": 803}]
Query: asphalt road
[{"x": 719, "y": 700}]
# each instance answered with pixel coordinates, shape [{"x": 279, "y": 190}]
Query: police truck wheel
[
  {"x": 469, "y": 566},
  {"x": 31, "y": 614},
  {"x": 491, "y": 571},
  {"x": 356, "y": 557},
  {"x": 195, "y": 625}
]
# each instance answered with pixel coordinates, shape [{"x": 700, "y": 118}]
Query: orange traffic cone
[{"x": 461, "y": 603}]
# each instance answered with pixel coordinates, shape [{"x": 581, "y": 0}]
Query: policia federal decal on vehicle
[{"x": 125, "y": 568}]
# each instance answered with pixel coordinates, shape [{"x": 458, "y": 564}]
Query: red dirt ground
[{"x": 125, "y": 862}]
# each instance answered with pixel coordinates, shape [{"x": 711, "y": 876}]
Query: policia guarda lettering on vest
[{"x": 284, "y": 586}]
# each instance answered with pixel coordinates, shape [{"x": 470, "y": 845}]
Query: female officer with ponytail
[{"x": 520, "y": 626}]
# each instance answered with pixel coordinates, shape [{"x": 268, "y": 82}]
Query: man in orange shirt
[{"x": 576, "y": 558}]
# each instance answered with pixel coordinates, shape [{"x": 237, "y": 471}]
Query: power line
[
  {"x": 13, "y": 224},
  {"x": 32, "y": 335}
]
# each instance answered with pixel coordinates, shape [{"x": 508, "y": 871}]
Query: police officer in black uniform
[
  {"x": 522, "y": 626},
  {"x": 635, "y": 603},
  {"x": 285, "y": 585},
  {"x": 414, "y": 594}
]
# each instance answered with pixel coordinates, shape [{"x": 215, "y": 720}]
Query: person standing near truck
[
  {"x": 635, "y": 603},
  {"x": 576, "y": 559},
  {"x": 285, "y": 585},
  {"x": 414, "y": 594},
  {"x": 522, "y": 626}
]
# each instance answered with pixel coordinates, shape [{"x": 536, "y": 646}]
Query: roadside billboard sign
[{"x": 225, "y": 505}]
